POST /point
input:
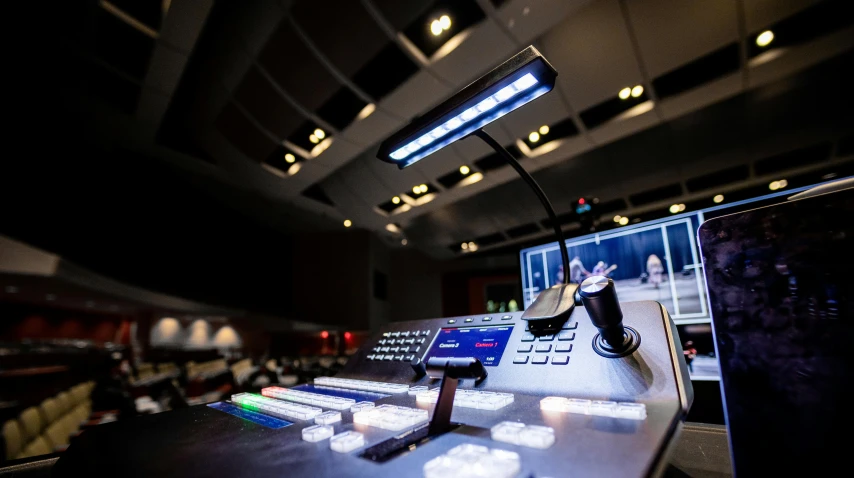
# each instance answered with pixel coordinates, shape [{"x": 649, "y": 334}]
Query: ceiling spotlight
[
  {"x": 625, "y": 93},
  {"x": 348, "y": 223},
  {"x": 534, "y": 137},
  {"x": 464, "y": 170},
  {"x": 404, "y": 242},
  {"x": 422, "y": 189},
  {"x": 436, "y": 28},
  {"x": 718, "y": 199},
  {"x": 416, "y": 189},
  {"x": 472, "y": 246},
  {"x": 464, "y": 246},
  {"x": 395, "y": 200},
  {"x": 544, "y": 129},
  {"x": 775, "y": 185},
  {"x": 290, "y": 158},
  {"x": 674, "y": 209},
  {"x": 765, "y": 38},
  {"x": 514, "y": 83},
  {"x": 392, "y": 228},
  {"x": 445, "y": 22},
  {"x": 314, "y": 139},
  {"x": 319, "y": 133},
  {"x": 624, "y": 221},
  {"x": 617, "y": 218},
  {"x": 637, "y": 91}
]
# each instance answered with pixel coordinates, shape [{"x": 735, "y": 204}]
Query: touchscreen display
[{"x": 484, "y": 343}]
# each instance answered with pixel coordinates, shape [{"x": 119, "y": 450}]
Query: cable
[{"x": 564, "y": 255}]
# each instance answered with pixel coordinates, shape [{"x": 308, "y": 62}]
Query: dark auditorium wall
[{"x": 19, "y": 322}]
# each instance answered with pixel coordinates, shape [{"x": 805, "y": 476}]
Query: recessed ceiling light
[
  {"x": 445, "y": 22},
  {"x": 718, "y": 199},
  {"x": 534, "y": 137},
  {"x": 404, "y": 242},
  {"x": 637, "y": 91},
  {"x": 314, "y": 139},
  {"x": 472, "y": 246},
  {"x": 765, "y": 38},
  {"x": 395, "y": 200},
  {"x": 422, "y": 188},
  {"x": 464, "y": 246},
  {"x": 464, "y": 170},
  {"x": 436, "y": 28},
  {"x": 625, "y": 93},
  {"x": 544, "y": 129},
  {"x": 392, "y": 227},
  {"x": 319, "y": 133},
  {"x": 348, "y": 223},
  {"x": 674, "y": 209},
  {"x": 290, "y": 158},
  {"x": 624, "y": 221},
  {"x": 617, "y": 218},
  {"x": 775, "y": 185}
]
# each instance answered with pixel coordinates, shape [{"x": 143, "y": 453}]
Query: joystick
[{"x": 599, "y": 296}]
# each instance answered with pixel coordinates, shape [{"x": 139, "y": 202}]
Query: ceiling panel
[
  {"x": 671, "y": 33},
  {"x": 526, "y": 20},
  {"x": 759, "y": 14},
  {"x": 243, "y": 133},
  {"x": 546, "y": 110},
  {"x": 258, "y": 96},
  {"x": 472, "y": 148},
  {"x": 417, "y": 95},
  {"x": 360, "y": 178},
  {"x": 593, "y": 54},
  {"x": 296, "y": 69},
  {"x": 357, "y": 37},
  {"x": 484, "y": 49},
  {"x": 373, "y": 129},
  {"x": 400, "y": 13}
]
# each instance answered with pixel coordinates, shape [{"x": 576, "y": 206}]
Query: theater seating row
[{"x": 48, "y": 427}]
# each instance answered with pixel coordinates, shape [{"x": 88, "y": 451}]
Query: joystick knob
[
  {"x": 419, "y": 367},
  {"x": 599, "y": 296}
]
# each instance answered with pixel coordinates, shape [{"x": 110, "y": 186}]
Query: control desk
[{"x": 539, "y": 405}]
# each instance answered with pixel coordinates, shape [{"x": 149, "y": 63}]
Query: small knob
[
  {"x": 599, "y": 297},
  {"x": 418, "y": 367}
]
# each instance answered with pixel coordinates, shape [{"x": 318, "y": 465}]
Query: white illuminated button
[
  {"x": 417, "y": 389},
  {"x": 470, "y": 399},
  {"x": 327, "y": 418},
  {"x": 382, "y": 387},
  {"x": 358, "y": 407},
  {"x": 276, "y": 407},
  {"x": 469, "y": 460},
  {"x": 390, "y": 417},
  {"x": 634, "y": 411},
  {"x": 317, "y": 433},
  {"x": 532, "y": 436},
  {"x": 308, "y": 398},
  {"x": 347, "y": 441}
]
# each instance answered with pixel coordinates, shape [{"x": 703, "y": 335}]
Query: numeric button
[
  {"x": 570, "y": 325},
  {"x": 560, "y": 360},
  {"x": 564, "y": 336},
  {"x": 547, "y": 338},
  {"x": 544, "y": 348},
  {"x": 563, "y": 348},
  {"x": 525, "y": 348},
  {"x": 520, "y": 359},
  {"x": 541, "y": 359},
  {"x": 528, "y": 337}
]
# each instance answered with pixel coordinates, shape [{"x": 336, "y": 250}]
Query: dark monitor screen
[
  {"x": 781, "y": 290},
  {"x": 484, "y": 343}
]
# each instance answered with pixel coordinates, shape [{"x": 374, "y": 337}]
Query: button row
[
  {"x": 544, "y": 348},
  {"x": 602, "y": 408},
  {"x": 368, "y": 385},
  {"x": 469, "y": 460},
  {"x": 420, "y": 341},
  {"x": 470, "y": 399},
  {"x": 569, "y": 325},
  {"x": 561, "y": 337},
  {"x": 390, "y": 417},
  {"x": 516, "y": 433},
  {"x": 542, "y": 359},
  {"x": 407, "y": 333},
  {"x": 257, "y": 403},
  {"x": 483, "y": 319},
  {"x": 391, "y": 358},
  {"x": 308, "y": 398},
  {"x": 397, "y": 349}
]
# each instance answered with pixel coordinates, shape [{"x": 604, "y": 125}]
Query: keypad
[
  {"x": 525, "y": 348},
  {"x": 468, "y": 460},
  {"x": 258, "y": 403},
  {"x": 544, "y": 348},
  {"x": 470, "y": 399},
  {"x": 541, "y": 359},
  {"x": 564, "y": 336},
  {"x": 533, "y": 436},
  {"x": 382, "y": 387},
  {"x": 563, "y": 348},
  {"x": 308, "y": 398},
  {"x": 390, "y": 417},
  {"x": 317, "y": 432},
  {"x": 347, "y": 441},
  {"x": 602, "y": 408},
  {"x": 560, "y": 360}
]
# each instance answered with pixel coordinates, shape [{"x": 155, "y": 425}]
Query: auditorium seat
[
  {"x": 31, "y": 423},
  {"x": 50, "y": 410},
  {"x": 13, "y": 437},
  {"x": 63, "y": 399},
  {"x": 39, "y": 446}
]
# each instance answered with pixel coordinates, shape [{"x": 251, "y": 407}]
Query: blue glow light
[{"x": 486, "y": 111}]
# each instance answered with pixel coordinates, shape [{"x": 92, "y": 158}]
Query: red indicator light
[
  {"x": 581, "y": 201},
  {"x": 324, "y": 334},
  {"x": 347, "y": 335}
]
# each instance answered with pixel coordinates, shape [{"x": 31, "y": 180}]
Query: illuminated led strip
[
  {"x": 634, "y": 411},
  {"x": 466, "y": 460},
  {"x": 390, "y": 417},
  {"x": 532, "y": 436},
  {"x": 257, "y": 403},
  {"x": 468, "y": 116},
  {"x": 320, "y": 400},
  {"x": 470, "y": 399},
  {"x": 383, "y": 387}
]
